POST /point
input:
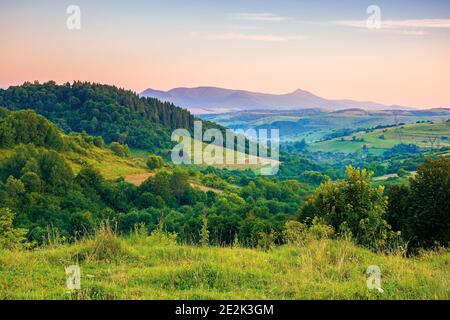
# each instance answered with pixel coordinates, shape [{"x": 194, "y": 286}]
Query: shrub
[
  {"x": 295, "y": 233},
  {"x": 154, "y": 162},
  {"x": 266, "y": 240},
  {"x": 106, "y": 244},
  {"x": 26, "y": 126},
  {"x": 98, "y": 141},
  {"x": 119, "y": 149},
  {"x": 320, "y": 230},
  {"x": 160, "y": 237},
  {"x": 420, "y": 212},
  {"x": 354, "y": 206},
  {"x": 32, "y": 182}
]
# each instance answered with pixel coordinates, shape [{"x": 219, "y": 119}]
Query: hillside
[
  {"x": 68, "y": 184},
  {"x": 428, "y": 136},
  {"x": 214, "y": 234},
  {"x": 315, "y": 124},
  {"x": 101, "y": 110},
  {"x": 26, "y": 127},
  {"x": 140, "y": 267}
]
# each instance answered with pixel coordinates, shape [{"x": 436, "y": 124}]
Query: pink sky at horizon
[{"x": 334, "y": 62}]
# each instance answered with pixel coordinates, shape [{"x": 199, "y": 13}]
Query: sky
[{"x": 324, "y": 47}]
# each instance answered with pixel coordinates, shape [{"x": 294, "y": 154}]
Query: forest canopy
[{"x": 115, "y": 114}]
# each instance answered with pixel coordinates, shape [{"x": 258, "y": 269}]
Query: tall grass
[{"x": 142, "y": 266}]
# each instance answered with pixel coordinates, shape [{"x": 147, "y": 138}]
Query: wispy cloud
[
  {"x": 412, "y": 32},
  {"x": 395, "y": 24},
  {"x": 405, "y": 27},
  {"x": 259, "y": 37},
  {"x": 240, "y": 27},
  {"x": 262, "y": 16}
]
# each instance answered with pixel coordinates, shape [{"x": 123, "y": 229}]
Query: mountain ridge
[{"x": 209, "y": 99}]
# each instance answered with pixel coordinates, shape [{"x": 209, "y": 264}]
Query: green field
[
  {"x": 109, "y": 165},
  {"x": 424, "y": 135},
  {"x": 155, "y": 267},
  {"x": 314, "y": 124}
]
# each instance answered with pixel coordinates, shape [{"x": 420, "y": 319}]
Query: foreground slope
[{"x": 154, "y": 267}]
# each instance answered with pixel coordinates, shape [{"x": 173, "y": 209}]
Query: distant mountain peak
[
  {"x": 210, "y": 99},
  {"x": 300, "y": 91}
]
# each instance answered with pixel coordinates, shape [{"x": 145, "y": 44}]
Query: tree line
[{"x": 113, "y": 113}]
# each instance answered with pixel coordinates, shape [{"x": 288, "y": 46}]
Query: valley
[
  {"x": 234, "y": 159},
  {"x": 85, "y": 187}
]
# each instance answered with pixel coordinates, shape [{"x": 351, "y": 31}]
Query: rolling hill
[
  {"x": 315, "y": 124},
  {"x": 426, "y": 136},
  {"x": 102, "y": 110}
]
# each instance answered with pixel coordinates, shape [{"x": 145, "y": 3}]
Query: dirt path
[{"x": 138, "y": 179}]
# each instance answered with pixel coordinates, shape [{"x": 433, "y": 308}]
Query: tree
[
  {"x": 421, "y": 211},
  {"x": 204, "y": 234},
  {"x": 119, "y": 149},
  {"x": 300, "y": 145},
  {"x": 90, "y": 179},
  {"x": 10, "y": 237},
  {"x": 80, "y": 224},
  {"x": 31, "y": 181},
  {"x": 25, "y": 126},
  {"x": 98, "y": 141},
  {"x": 295, "y": 233},
  {"x": 398, "y": 203},
  {"x": 102, "y": 110},
  {"x": 154, "y": 162},
  {"x": 55, "y": 172},
  {"x": 352, "y": 206}
]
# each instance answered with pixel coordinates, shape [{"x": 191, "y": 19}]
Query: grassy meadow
[
  {"x": 156, "y": 267},
  {"x": 424, "y": 135},
  {"x": 109, "y": 165}
]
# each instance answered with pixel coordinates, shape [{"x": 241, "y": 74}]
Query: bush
[
  {"x": 266, "y": 240},
  {"x": 354, "y": 207},
  {"x": 320, "y": 230},
  {"x": 421, "y": 212},
  {"x": 98, "y": 141},
  {"x": 10, "y": 237},
  {"x": 160, "y": 237},
  {"x": 26, "y": 126},
  {"x": 106, "y": 244},
  {"x": 119, "y": 149},
  {"x": 295, "y": 233},
  {"x": 154, "y": 162}
]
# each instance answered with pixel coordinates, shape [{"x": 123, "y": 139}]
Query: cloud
[
  {"x": 238, "y": 27},
  {"x": 405, "y": 27},
  {"x": 395, "y": 24},
  {"x": 412, "y": 32},
  {"x": 258, "y": 37},
  {"x": 262, "y": 16}
]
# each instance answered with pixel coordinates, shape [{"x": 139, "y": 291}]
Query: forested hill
[{"x": 113, "y": 113}]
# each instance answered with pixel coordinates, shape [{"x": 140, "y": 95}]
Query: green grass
[
  {"x": 140, "y": 267},
  {"x": 422, "y": 135},
  {"x": 109, "y": 165}
]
